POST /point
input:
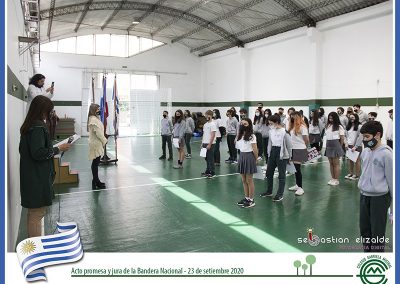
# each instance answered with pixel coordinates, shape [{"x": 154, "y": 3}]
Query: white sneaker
[
  {"x": 299, "y": 191},
  {"x": 335, "y": 182},
  {"x": 264, "y": 168},
  {"x": 294, "y": 188},
  {"x": 348, "y": 176},
  {"x": 353, "y": 177},
  {"x": 330, "y": 182},
  {"x": 259, "y": 159}
]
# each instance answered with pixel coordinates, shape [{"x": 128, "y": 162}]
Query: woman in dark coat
[{"x": 36, "y": 163}]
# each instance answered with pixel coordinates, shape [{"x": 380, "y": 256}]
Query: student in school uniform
[
  {"x": 315, "y": 130},
  {"x": 305, "y": 119},
  {"x": 279, "y": 153},
  {"x": 218, "y": 123},
  {"x": 208, "y": 142},
  {"x": 247, "y": 165},
  {"x": 372, "y": 115},
  {"x": 166, "y": 134},
  {"x": 376, "y": 187},
  {"x": 300, "y": 140},
  {"x": 232, "y": 127},
  {"x": 258, "y": 121},
  {"x": 354, "y": 142},
  {"x": 286, "y": 121},
  {"x": 178, "y": 132},
  {"x": 188, "y": 133},
  {"x": 323, "y": 119},
  {"x": 361, "y": 114},
  {"x": 234, "y": 113},
  {"x": 334, "y": 132},
  {"x": 265, "y": 134},
  {"x": 281, "y": 114},
  {"x": 344, "y": 120},
  {"x": 389, "y": 130}
]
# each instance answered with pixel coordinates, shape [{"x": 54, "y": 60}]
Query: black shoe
[
  {"x": 204, "y": 174},
  {"x": 241, "y": 202},
  {"x": 266, "y": 194},
  {"x": 248, "y": 204},
  {"x": 210, "y": 175},
  {"x": 98, "y": 184},
  {"x": 277, "y": 198},
  {"x": 229, "y": 161},
  {"x": 170, "y": 159},
  {"x": 162, "y": 157}
]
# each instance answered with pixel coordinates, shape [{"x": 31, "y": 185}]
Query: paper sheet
[
  {"x": 352, "y": 155},
  {"x": 290, "y": 168},
  {"x": 175, "y": 141},
  {"x": 76, "y": 137},
  {"x": 203, "y": 152}
]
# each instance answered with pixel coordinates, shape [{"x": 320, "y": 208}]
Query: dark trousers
[
  {"x": 231, "y": 146},
  {"x": 95, "y": 169},
  {"x": 259, "y": 144},
  {"x": 389, "y": 143},
  {"x": 217, "y": 154},
  {"x": 265, "y": 148},
  {"x": 298, "y": 175},
  {"x": 188, "y": 137},
  {"x": 273, "y": 162},
  {"x": 210, "y": 159},
  {"x": 166, "y": 139},
  {"x": 373, "y": 217},
  {"x": 316, "y": 145},
  {"x": 321, "y": 144}
]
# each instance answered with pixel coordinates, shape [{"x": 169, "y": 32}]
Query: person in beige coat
[{"x": 97, "y": 141}]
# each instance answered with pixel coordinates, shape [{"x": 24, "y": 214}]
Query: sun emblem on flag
[{"x": 28, "y": 247}]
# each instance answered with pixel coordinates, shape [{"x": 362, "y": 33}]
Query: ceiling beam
[
  {"x": 84, "y": 12},
  {"x": 147, "y": 13},
  {"x": 50, "y": 23},
  {"x": 141, "y": 6},
  {"x": 114, "y": 13},
  {"x": 218, "y": 19},
  {"x": 293, "y": 8},
  {"x": 176, "y": 19}
]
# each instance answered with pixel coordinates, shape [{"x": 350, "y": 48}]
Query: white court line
[{"x": 149, "y": 184}]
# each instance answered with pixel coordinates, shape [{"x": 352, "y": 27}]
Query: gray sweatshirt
[
  {"x": 286, "y": 146},
  {"x": 257, "y": 126},
  {"x": 166, "y": 126},
  {"x": 179, "y": 130},
  {"x": 264, "y": 130},
  {"x": 189, "y": 125},
  {"x": 376, "y": 171},
  {"x": 232, "y": 126}
]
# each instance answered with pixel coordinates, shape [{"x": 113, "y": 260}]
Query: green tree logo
[
  {"x": 297, "y": 264},
  {"x": 310, "y": 259},
  {"x": 304, "y": 267}
]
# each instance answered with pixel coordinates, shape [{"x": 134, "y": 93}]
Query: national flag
[
  {"x": 116, "y": 107},
  {"x": 104, "y": 105},
  {"x": 36, "y": 253}
]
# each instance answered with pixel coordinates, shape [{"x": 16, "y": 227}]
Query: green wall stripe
[
  {"x": 67, "y": 103},
  {"x": 12, "y": 80}
]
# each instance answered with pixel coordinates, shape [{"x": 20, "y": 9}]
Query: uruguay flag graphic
[{"x": 36, "y": 253}]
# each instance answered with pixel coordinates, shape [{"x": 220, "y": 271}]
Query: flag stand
[{"x": 105, "y": 159}]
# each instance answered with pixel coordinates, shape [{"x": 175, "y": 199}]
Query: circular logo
[
  {"x": 315, "y": 241},
  {"x": 373, "y": 272}
]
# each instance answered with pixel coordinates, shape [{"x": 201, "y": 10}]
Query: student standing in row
[
  {"x": 315, "y": 130},
  {"x": 376, "y": 187},
  {"x": 389, "y": 130},
  {"x": 265, "y": 133},
  {"x": 232, "y": 127},
  {"x": 188, "y": 133},
  {"x": 279, "y": 154},
  {"x": 286, "y": 122},
  {"x": 299, "y": 134},
  {"x": 344, "y": 120},
  {"x": 178, "y": 132},
  {"x": 354, "y": 142},
  {"x": 258, "y": 122},
  {"x": 247, "y": 166},
  {"x": 361, "y": 114},
  {"x": 166, "y": 133},
  {"x": 208, "y": 142},
  {"x": 218, "y": 123},
  {"x": 334, "y": 146},
  {"x": 323, "y": 121}
]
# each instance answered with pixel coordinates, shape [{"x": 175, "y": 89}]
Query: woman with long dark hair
[
  {"x": 354, "y": 142},
  {"x": 265, "y": 134},
  {"x": 247, "y": 165},
  {"x": 258, "y": 121},
  {"x": 188, "y": 132},
  {"x": 179, "y": 132},
  {"x": 97, "y": 141},
  {"x": 334, "y": 145},
  {"x": 36, "y": 88},
  {"x": 323, "y": 122},
  {"x": 36, "y": 163},
  {"x": 315, "y": 130}
]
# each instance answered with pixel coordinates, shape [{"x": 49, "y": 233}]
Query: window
[
  {"x": 144, "y": 82},
  {"x": 101, "y": 44}
]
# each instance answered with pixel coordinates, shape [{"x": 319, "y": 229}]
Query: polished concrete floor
[{"x": 150, "y": 207}]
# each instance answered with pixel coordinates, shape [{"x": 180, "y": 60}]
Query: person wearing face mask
[
  {"x": 234, "y": 114},
  {"x": 166, "y": 134},
  {"x": 260, "y": 107},
  {"x": 281, "y": 114},
  {"x": 376, "y": 187},
  {"x": 334, "y": 146},
  {"x": 342, "y": 117},
  {"x": 353, "y": 142},
  {"x": 265, "y": 135},
  {"x": 258, "y": 121},
  {"x": 188, "y": 133},
  {"x": 362, "y": 115},
  {"x": 208, "y": 141},
  {"x": 286, "y": 122},
  {"x": 36, "y": 88},
  {"x": 389, "y": 130},
  {"x": 243, "y": 113},
  {"x": 315, "y": 130},
  {"x": 279, "y": 154},
  {"x": 247, "y": 165},
  {"x": 218, "y": 139},
  {"x": 179, "y": 132},
  {"x": 36, "y": 163},
  {"x": 232, "y": 127},
  {"x": 372, "y": 116},
  {"x": 97, "y": 141},
  {"x": 323, "y": 120}
]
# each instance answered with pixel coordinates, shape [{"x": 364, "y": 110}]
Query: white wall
[
  {"x": 22, "y": 68},
  {"x": 177, "y": 68}
]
